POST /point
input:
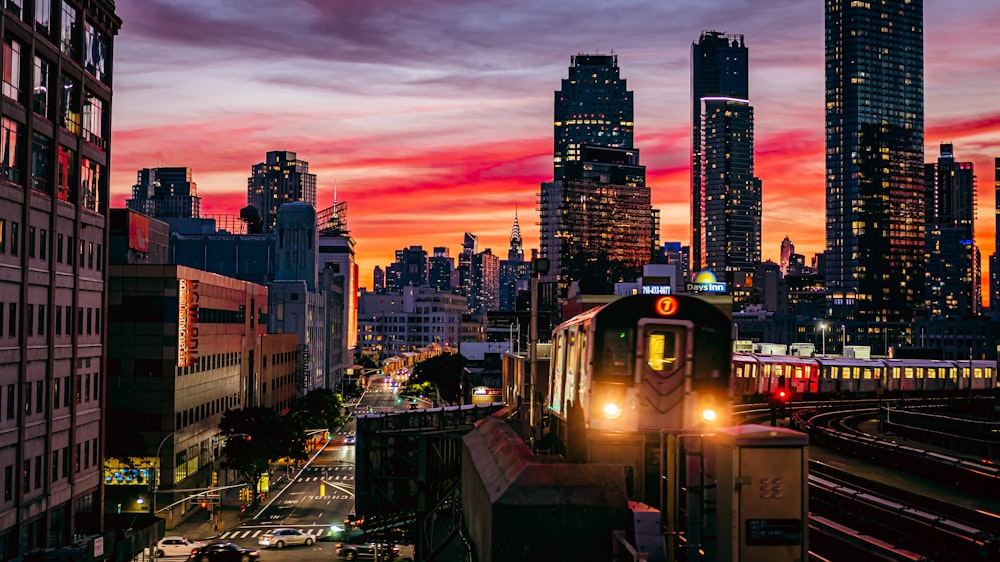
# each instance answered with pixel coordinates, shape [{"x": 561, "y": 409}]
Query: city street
[{"x": 318, "y": 496}]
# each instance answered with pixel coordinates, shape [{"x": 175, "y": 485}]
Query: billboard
[
  {"x": 187, "y": 322},
  {"x": 138, "y": 232}
]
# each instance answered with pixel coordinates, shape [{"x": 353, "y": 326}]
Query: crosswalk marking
[{"x": 251, "y": 533}]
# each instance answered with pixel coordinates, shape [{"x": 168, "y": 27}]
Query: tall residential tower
[
  {"x": 719, "y": 69},
  {"x": 874, "y": 160}
]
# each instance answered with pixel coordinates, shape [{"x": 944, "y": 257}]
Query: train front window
[
  {"x": 661, "y": 349},
  {"x": 618, "y": 352}
]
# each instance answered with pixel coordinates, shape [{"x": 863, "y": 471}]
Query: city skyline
[{"x": 437, "y": 120}]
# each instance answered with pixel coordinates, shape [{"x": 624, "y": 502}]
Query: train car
[
  {"x": 758, "y": 376},
  {"x": 849, "y": 376},
  {"x": 632, "y": 365},
  {"x": 624, "y": 374}
]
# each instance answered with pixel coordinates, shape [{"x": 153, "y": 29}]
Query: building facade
[
  {"x": 719, "y": 69},
  {"x": 395, "y": 323},
  {"x": 338, "y": 266},
  {"x": 440, "y": 267},
  {"x": 994, "y": 261},
  {"x": 874, "y": 160},
  {"x": 55, "y": 110},
  {"x": 952, "y": 287},
  {"x": 515, "y": 271},
  {"x": 172, "y": 391},
  {"x": 165, "y": 192},
  {"x": 597, "y": 223},
  {"x": 594, "y": 106},
  {"x": 730, "y": 225},
  {"x": 281, "y": 178}
]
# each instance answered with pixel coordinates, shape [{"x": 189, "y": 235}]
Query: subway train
[
  {"x": 639, "y": 364},
  {"x": 756, "y": 377}
]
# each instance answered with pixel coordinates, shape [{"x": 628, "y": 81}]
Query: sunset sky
[{"x": 434, "y": 117}]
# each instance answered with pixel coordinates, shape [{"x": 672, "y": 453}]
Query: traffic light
[
  {"x": 327, "y": 436},
  {"x": 204, "y": 504},
  {"x": 215, "y": 479}
]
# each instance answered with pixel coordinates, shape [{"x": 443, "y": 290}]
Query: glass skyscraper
[
  {"x": 593, "y": 107},
  {"x": 874, "y": 159},
  {"x": 719, "y": 69}
]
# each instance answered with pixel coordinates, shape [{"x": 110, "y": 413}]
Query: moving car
[
  {"x": 353, "y": 521},
  {"x": 365, "y": 550},
  {"x": 350, "y": 439},
  {"x": 224, "y": 552},
  {"x": 280, "y": 538},
  {"x": 175, "y": 546}
]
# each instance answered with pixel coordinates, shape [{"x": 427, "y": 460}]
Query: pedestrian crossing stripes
[
  {"x": 238, "y": 534},
  {"x": 325, "y": 478}
]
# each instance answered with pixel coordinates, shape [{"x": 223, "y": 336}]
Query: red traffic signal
[
  {"x": 204, "y": 505},
  {"x": 782, "y": 395}
]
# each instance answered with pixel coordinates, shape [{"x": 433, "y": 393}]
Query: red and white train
[{"x": 758, "y": 376}]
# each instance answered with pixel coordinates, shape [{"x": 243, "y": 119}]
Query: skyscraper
[
  {"x": 719, "y": 69},
  {"x": 994, "y": 260},
  {"x": 281, "y": 178},
  {"x": 596, "y": 223},
  {"x": 731, "y": 194},
  {"x": 55, "y": 102},
  {"x": 952, "y": 287},
  {"x": 596, "y": 218},
  {"x": 165, "y": 192},
  {"x": 514, "y": 271},
  {"x": 593, "y": 107},
  {"x": 787, "y": 249},
  {"x": 874, "y": 159}
]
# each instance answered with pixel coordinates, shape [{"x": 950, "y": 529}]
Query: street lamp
[
  {"x": 822, "y": 327},
  {"x": 156, "y": 471}
]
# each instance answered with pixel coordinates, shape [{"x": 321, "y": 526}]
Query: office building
[
  {"x": 281, "y": 178},
  {"x": 165, "y": 192},
  {"x": 594, "y": 106},
  {"x": 597, "y": 223},
  {"x": 874, "y": 160},
  {"x": 399, "y": 322},
  {"x": 787, "y": 249},
  {"x": 952, "y": 287},
  {"x": 409, "y": 269},
  {"x": 171, "y": 392},
  {"x": 55, "y": 102},
  {"x": 719, "y": 69},
  {"x": 994, "y": 260},
  {"x": 440, "y": 268},
  {"x": 485, "y": 282},
  {"x": 514, "y": 271},
  {"x": 731, "y": 204},
  {"x": 337, "y": 259}
]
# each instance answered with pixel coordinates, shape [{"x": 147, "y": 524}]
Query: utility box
[{"x": 762, "y": 494}]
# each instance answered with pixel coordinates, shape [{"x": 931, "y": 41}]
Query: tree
[
  {"x": 256, "y": 437},
  {"x": 445, "y": 371},
  {"x": 322, "y": 409}
]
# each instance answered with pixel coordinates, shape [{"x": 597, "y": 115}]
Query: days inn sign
[{"x": 705, "y": 282}]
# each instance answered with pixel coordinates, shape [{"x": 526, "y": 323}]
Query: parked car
[
  {"x": 224, "y": 552},
  {"x": 175, "y": 546},
  {"x": 365, "y": 550},
  {"x": 280, "y": 538}
]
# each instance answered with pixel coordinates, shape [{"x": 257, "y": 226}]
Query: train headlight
[
  {"x": 709, "y": 415},
  {"x": 612, "y": 410}
]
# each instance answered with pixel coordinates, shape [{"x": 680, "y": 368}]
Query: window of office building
[
  {"x": 40, "y": 86},
  {"x": 12, "y": 70},
  {"x": 90, "y": 182},
  {"x": 93, "y": 119},
  {"x": 65, "y": 179},
  {"x": 41, "y": 163},
  {"x": 43, "y": 17},
  {"x": 69, "y": 111},
  {"x": 95, "y": 52},
  {"x": 67, "y": 35},
  {"x": 11, "y": 150}
]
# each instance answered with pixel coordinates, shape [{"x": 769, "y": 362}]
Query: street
[{"x": 318, "y": 496}]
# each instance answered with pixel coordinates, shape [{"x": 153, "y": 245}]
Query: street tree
[
  {"x": 320, "y": 409},
  {"x": 445, "y": 371},
  {"x": 255, "y": 438}
]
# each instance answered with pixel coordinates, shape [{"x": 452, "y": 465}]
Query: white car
[
  {"x": 280, "y": 538},
  {"x": 175, "y": 546}
]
